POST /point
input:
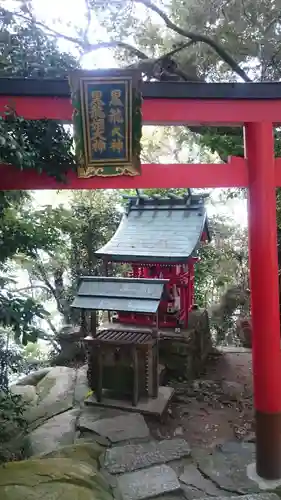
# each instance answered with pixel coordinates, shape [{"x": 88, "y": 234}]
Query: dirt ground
[{"x": 215, "y": 408}]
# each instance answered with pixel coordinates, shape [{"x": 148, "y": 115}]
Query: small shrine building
[{"x": 159, "y": 238}]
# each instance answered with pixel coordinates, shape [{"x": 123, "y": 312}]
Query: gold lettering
[
  {"x": 115, "y": 98},
  {"x": 116, "y": 116},
  {"x": 117, "y": 145},
  {"x": 98, "y": 140},
  {"x": 98, "y": 145},
  {"x": 98, "y": 128},
  {"x": 97, "y": 105}
]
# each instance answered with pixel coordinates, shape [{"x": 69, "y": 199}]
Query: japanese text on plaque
[{"x": 107, "y": 122}]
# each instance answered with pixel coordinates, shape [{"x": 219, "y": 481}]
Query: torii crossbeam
[{"x": 256, "y": 107}]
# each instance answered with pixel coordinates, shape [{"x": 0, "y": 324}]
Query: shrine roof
[
  {"x": 119, "y": 294},
  {"x": 155, "y": 229}
]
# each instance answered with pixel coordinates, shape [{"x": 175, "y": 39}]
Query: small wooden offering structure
[{"x": 122, "y": 362}]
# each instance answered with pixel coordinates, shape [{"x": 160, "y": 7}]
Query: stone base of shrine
[{"x": 155, "y": 407}]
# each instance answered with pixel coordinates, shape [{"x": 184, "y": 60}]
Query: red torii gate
[{"x": 257, "y": 107}]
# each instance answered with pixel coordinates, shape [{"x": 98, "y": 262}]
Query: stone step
[
  {"x": 132, "y": 457},
  {"x": 115, "y": 430},
  {"x": 149, "y": 483}
]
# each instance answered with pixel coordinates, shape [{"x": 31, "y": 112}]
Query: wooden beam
[
  {"x": 158, "y": 111},
  {"x": 233, "y": 174}
]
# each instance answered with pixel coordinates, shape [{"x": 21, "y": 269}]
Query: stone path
[
  {"x": 135, "y": 465},
  {"x": 139, "y": 467}
]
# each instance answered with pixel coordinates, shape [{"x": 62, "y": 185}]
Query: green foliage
[
  {"x": 73, "y": 235},
  {"x": 42, "y": 145},
  {"x": 12, "y": 421},
  {"x": 223, "y": 262},
  {"x": 19, "y": 234},
  {"x": 18, "y": 314},
  {"x": 13, "y": 427},
  {"x": 96, "y": 219}
]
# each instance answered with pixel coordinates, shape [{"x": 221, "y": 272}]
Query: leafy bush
[{"x": 13, "y": 427}]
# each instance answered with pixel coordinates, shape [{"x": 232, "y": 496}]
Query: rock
[
  {"x": 55, "y": 432},
  {"x": 233, "y": 390},
  {"x": 132, "y": 457},
  {"x": 179, "y": 431},
  {"x": 91, "y": 438},
  {"x": 81, "y": 386},
  {"x": 55, "y": 394},
  {"x": 257, "y": 496},
  {"x": 192, "y": 477},
  {"x": 227, "y": 467},
  {"x": 191, "y": 493},
  {"x": 52, "y": 479},
  {"x": 26, "y": 392},
  {"x": 233, "y": 447},
  {"x": 121, "y": 428},
  {"x": 88, "y": 417},
  {"x": 34, "y": 377},
  {"x": 148, "y": 483},
  {"x": 57, "y": 384},
  {"x": 250, "y": 438},
  {"x": 176, "y": 496},
  {"x": 82, "y": 452},
  {"x": 90, "y": 414}
]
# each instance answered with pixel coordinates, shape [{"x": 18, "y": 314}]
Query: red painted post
[{"x": 259, "y": 147}]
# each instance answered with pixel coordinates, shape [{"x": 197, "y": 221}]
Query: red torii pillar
[{"x": 259, "y": 148}]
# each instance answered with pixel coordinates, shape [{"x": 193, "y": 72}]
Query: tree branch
[
  {"x": 194, "y": 37},
  {"x": 197, "y": 37},
  {"x": 88, "y": 19},
  {"x": 87, "y": 47},
  {"x": 115, "y": 44}
]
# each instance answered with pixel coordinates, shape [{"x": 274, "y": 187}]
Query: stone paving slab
[
  {"x": 194, "y": 478},
  {"x": 120, "y": 428},
  {"x": 191, "y": 493},
  {"x": 227, "y": 467},
  {"x": 132, "y": 457},
  {"x": 149, "y": 483},
  {"x": 154, "y": 407},
  {"x": 90, "y": 415}
]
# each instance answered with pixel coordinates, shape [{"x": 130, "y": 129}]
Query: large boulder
[
  {"x": 52, "y": 479},
  {"x": 81, "y": 387},
  {"x": 55, "y": 432},
  {"x": 81, "y": 452},
  {"x": 55, "y": 395},
  {"x": 34, "y": 377},
  {"x": 26, "y": 392}
]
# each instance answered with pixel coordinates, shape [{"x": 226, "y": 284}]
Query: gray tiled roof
[
  {"x": 119, "y": 294},
  {"x": 158, "y": 230}
]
